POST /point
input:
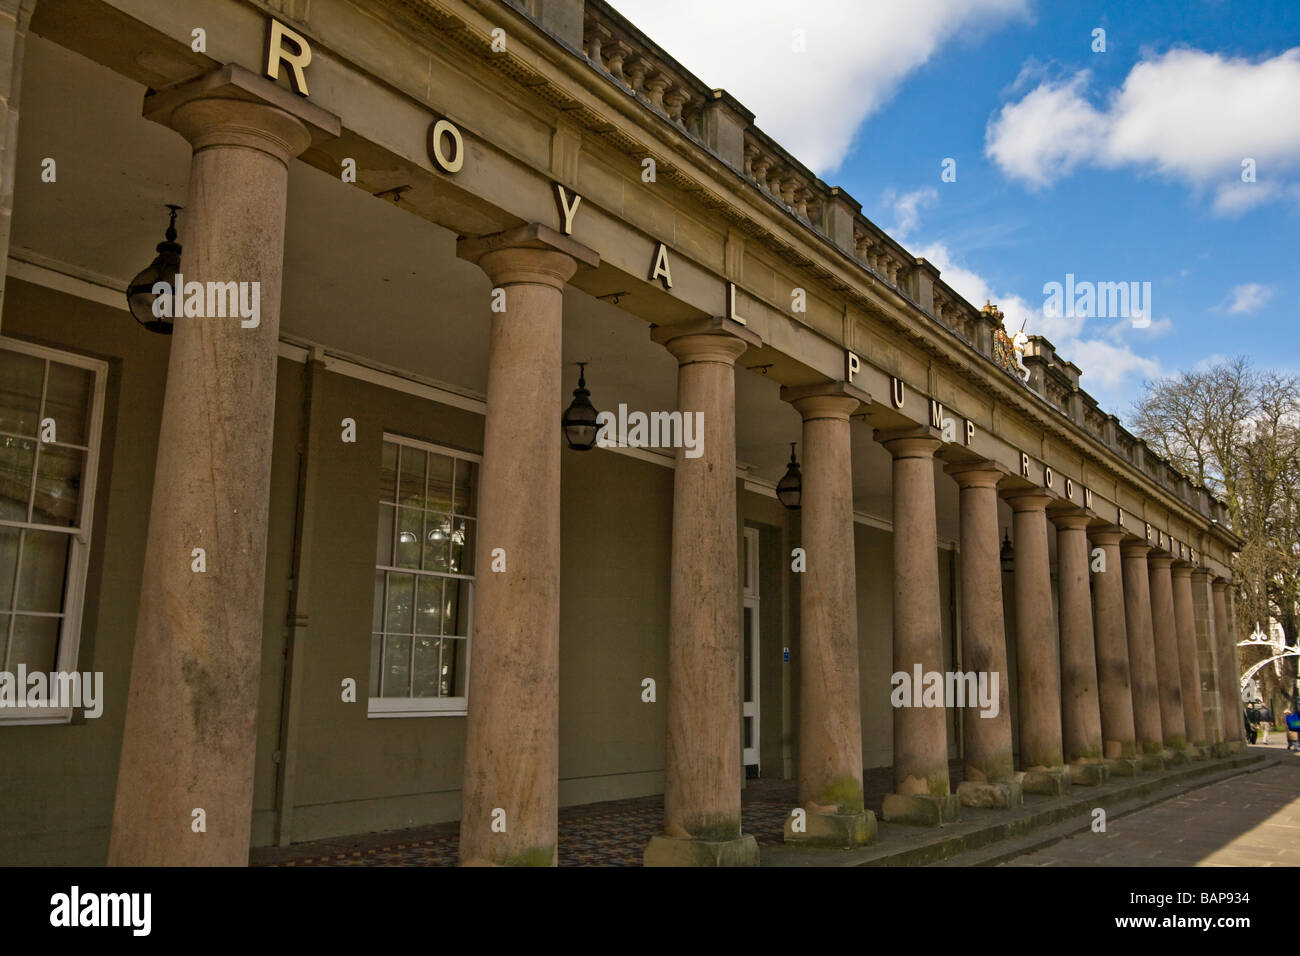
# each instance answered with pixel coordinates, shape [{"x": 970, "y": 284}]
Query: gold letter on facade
[
  {"x": 440, "y": 131},
  {"x": 567, "y": 209},
  {"x": 276, "y": 35},
  {"x": 731, "y": 304},
  {"x": 898, "y": 394},
  {"x": 659, "y": 269}
]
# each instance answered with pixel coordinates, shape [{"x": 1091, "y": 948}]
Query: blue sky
[{"x": 1123, "y": 165}]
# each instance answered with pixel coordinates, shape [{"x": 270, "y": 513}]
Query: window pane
[
  {"x": 410, "y": 525},
  {"x": 455, "y": 607},
  {"x": 67, "y": 401},
  {"x": 428, "y": 606},
  {"x": 17, "y": 459},
  {"x": 36, "y": 641},
  {"x": 451, "y": 680},
  {"x": 44, "y": 567},
  {"x": 58, "y": 486},
  {"x": 8, "y": 564},
  {"x": 20, "y": 392},
  {"x": 388, "y": 473},
  {"x": 377, "y": 618},
  {"x": 376, "y": 647},
  {"x": 436, "y": 542},
  {"x": 401, "y": 588},
  {"x": 384, "y": 549},
  {"x": 410, "y": 483},
  {"x": 397, "y": 666},
  {"x": 439, "y": 482},
  {"x": 466, "y": 483},
  {"x": 425, "y": 680},
  {"x": 462, "y": 546}
]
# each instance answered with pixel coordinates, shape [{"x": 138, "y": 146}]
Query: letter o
[
  {"x": 1048, "y": 477},
  {"x": 437, "y": 131},
  {"x": 1069, "y": 488}
]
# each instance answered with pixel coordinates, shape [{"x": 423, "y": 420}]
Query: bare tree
[{"x": 1236, "y": 430}]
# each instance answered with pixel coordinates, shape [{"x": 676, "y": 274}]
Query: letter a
[
  {"x": 660, "y": 269},
  {"x": 499, "y": 560},
  {"x": 800, "y": 562}
]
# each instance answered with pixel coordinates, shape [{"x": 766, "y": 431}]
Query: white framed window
[
  {"x": 424, "y": 580},
  {"x": 51, "y": 413}
]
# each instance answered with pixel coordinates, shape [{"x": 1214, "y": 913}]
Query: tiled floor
[{"x": 613, "y": 833}]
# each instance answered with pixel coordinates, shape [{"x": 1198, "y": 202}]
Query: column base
[
  {"x": 1053, "y": 782},
  {"x": 1151, "y": 763},
  {"x": 1198, "y": 751},
  {"x": 1124, "y": 766},
  {"x": 1220, "y": 749},
  {"x": 834, "y": 829},
  {"x": 1236, "y": 746},
  {"x": 923, "y": 809},
  {"x": 1088, "y": 774},
  {"x": 672, "y": 851},
  {"x": 1176, "y": 758},
  {"x": 990, "y": 795}
]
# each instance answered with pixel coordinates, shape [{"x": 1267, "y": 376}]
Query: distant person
[
  {"x": 1252, "y": 731},
  {"x": 1292, "y": 730}
]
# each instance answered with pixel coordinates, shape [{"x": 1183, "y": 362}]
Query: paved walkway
[{"x": 1252, "y": 819}]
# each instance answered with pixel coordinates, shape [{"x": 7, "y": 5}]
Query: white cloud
[
  {"x": 907, "y": 209},
  {"x": 856, "y": 56},
  {"x": 1189, "y": 115},
  {"x": 1153, "y": 330},
  {"x": 1047, "y": 134},
  {"x": 1250, "y": 297},
  {"x": 1109, "y": 369}
]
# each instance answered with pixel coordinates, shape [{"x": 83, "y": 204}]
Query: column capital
[
  {"x": 1075, "y": 519},
  {"x": 1107, "y": 534},
  {"x": 1028, "y": 499},
  {"x": 825, "y": 400},
  {"x": 1220, "y": 584},
  {"x": 715, "y": 339},
  {"x": 1160, "y": 560},
  {"x": 912, "y": 441},
  {"x": 1181, "y": 569},
  {"x": 530, "y": 254},
  {"x": 1202, "y": 573},
  {"x": 1134, "y": 548},
  {"x": 232, "y": 106},
  {"x": 976, "y": 474}
]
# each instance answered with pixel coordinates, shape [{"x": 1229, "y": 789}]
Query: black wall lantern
[
  {"x": 140, "y": 295},
  {"x": 789, "y": 490},
  {"x": 1008, "y": 555},
  {"x": 579, "y": 419}
]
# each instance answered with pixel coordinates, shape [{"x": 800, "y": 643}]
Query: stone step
[{"x": 987, "y": 837}]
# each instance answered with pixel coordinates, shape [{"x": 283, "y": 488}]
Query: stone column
[
  {"x": 1189, "y": 671},
  {"x": 1113, "y": 671},
  {"x": 1173, "y": 721},
  {"x": 185, "y": 782},
  {"x": 1041, "y": 752},
  {"x": 830, "y": 714},
  {"x": 989, "y": 773},
  {"x": 512, "y": 730},
  {"x": 1148, "y": 735},
  {"x": 1080, "y": 710},
  {"x": 1207, "y": 654},
  {"x": 1230, "y": 707},
  {"x": 921, "y": 787},
  {"x": 702, "y": 763}
]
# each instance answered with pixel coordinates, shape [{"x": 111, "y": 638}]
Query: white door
[{"x": 749, "y": 637}]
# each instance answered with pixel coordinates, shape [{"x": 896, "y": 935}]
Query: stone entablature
[
  {"x": 616, "y": 47},
  {"x": 580, "y": 118}
]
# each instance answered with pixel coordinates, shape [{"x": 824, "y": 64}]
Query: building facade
[{"x": 325, "y": 543}]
